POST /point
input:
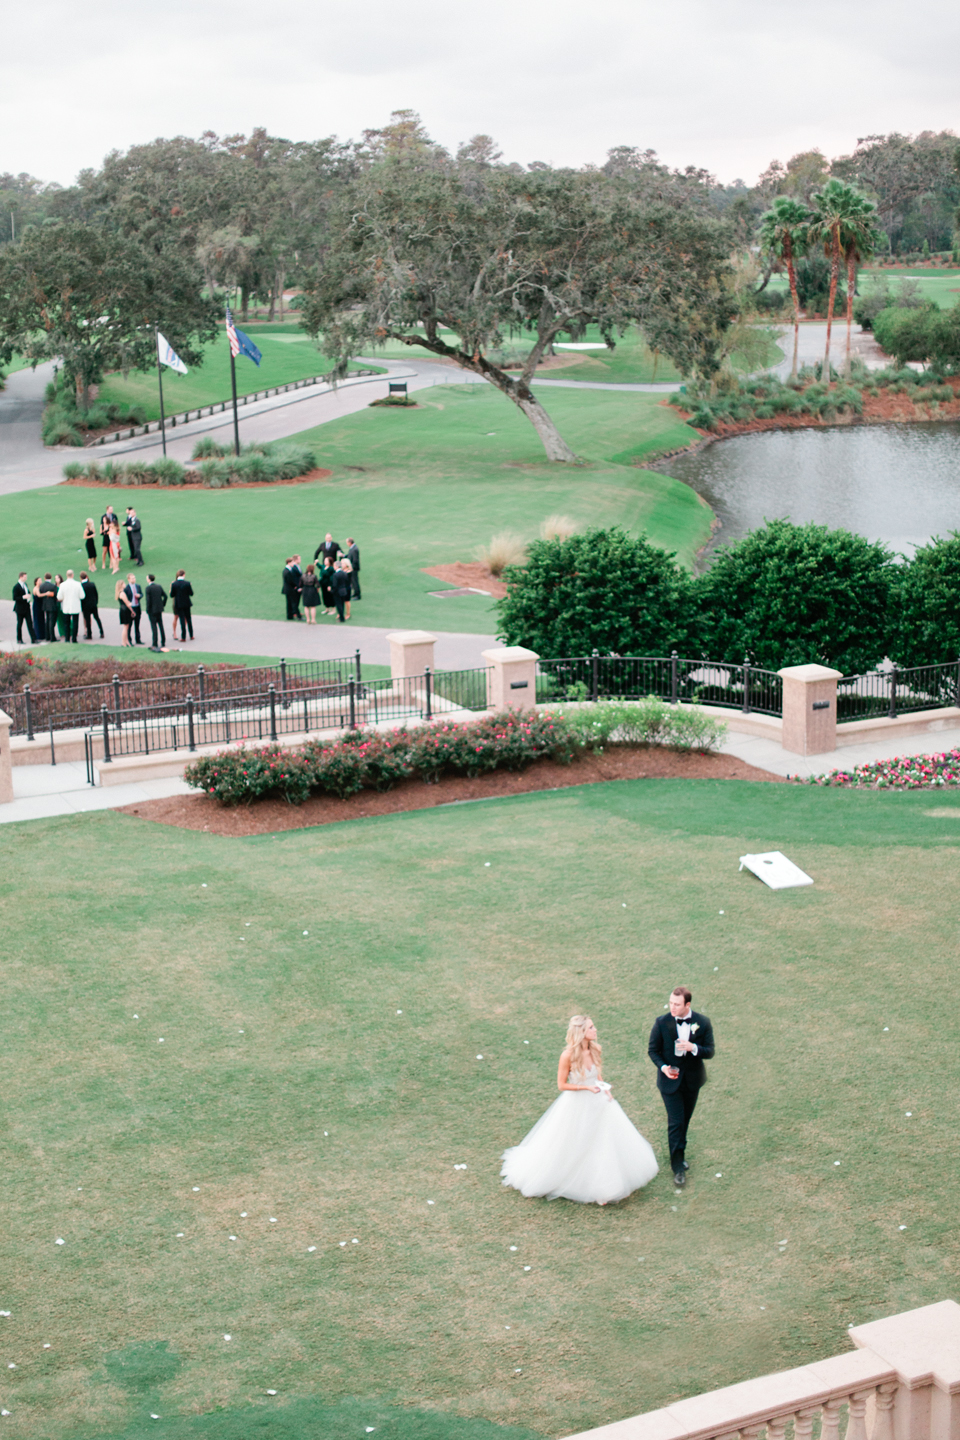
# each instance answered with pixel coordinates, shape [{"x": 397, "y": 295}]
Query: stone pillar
[
  {"x": 411, "y": 651},
  {"x": 6, "y": 765},
  {"x": 809, "y": 709},
  {"x": 512, "y": 679}
]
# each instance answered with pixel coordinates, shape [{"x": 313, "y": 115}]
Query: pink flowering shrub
[
  {"x": 375, "y": 761},
  {"x": 903, "y": 772}
]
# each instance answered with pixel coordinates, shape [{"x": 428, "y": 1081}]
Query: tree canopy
[
  {"x": 456, "y": 255},
  {"x": 91, "y": 298}
]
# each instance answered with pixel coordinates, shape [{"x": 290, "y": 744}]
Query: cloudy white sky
[{"x": 728, "y": 84}]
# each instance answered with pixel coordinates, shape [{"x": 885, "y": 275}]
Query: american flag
[{"x": 232, "y": 336}]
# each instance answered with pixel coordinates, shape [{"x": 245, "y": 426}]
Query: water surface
[{"x": 895, "y": 483}]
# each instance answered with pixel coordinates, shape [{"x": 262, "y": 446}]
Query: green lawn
[
  {"x": 942, "y": 286},
  {"x": 415, "y": 487},
  {"x": 288, "y": 355},
  {"x": 292, "y": 1105}
]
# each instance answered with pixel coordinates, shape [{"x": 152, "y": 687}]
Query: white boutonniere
[{"x": 694, "y": 1029}]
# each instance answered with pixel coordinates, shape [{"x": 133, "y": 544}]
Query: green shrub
[
  {"x": 56, "y": 428},
  {"x": 167, "y": 471},
  {"x": 207, "y": 448},
  {"x": 601, "y": 589},
  {"x": 74, "y": 470},
  {"x": 927, "y": 605},
  {"x": 648, "y": 722},
  {"x": 794, "y": 594}
]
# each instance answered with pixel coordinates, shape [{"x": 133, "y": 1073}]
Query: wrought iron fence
[
  {"x": 270, "y": 713},
  {"x": 889, "y": 693},
  {"x": 80, "y": 706},
  {"x": 625, "y": 677}
]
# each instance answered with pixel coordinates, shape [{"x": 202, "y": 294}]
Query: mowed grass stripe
[{"x": 622, "y": 1309}]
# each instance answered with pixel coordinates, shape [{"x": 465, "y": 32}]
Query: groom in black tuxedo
[{"x": 679, "y": 1044}]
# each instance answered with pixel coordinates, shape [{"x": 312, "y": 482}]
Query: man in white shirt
[{"x": 70, "y": 596}]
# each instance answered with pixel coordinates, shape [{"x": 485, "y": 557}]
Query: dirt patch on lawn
[
  {"x": 202, "y": 812},
  {"x": 468, "y": 574}
]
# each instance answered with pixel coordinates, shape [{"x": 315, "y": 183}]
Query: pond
[{"x": 895, "y": 483}]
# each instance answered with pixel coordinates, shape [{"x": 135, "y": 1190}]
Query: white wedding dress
[{"x": 584, "y": 1148}]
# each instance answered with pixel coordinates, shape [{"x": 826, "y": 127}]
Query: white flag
[{"x": 168, "y": 356}]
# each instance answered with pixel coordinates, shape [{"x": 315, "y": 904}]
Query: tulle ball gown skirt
[{"x": 584, "y": 1148}]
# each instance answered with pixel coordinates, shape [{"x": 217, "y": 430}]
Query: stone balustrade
[{"x": 902, "y": 1382}]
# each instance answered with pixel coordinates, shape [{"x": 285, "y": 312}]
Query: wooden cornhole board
[{"x": 775, "y": 870}]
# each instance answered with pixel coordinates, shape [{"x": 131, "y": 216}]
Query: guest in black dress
[
  {"x": 326, "y": 585},
  {"x": 90, "y": 539},
  {"x": 38, "y": 621},
  {"x": 310, "y": 594}
]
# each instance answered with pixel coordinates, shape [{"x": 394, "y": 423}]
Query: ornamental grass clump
[{"x": 646, "y": 722}]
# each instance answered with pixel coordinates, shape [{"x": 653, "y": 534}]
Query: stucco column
[
  {"x": 411, "y": 651},
  {"x": 6, "y": 767},
  {"x": 809, "y": 709},
  {"x": 512, "y": 678}
]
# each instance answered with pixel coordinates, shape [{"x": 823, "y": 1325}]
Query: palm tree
[
  {"x": 783, "y": 233},
  {"x": 858, "y": 238},
  {"x": 834, "y": 209}
]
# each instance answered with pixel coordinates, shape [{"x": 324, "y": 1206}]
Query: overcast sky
[{"x": 727, "y": 84}]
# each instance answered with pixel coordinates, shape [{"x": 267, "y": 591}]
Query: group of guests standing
[
  {"x": 330, "y": 583},
  {"x": 51, "y": 608},
  {"x": 110, "y": 538}
]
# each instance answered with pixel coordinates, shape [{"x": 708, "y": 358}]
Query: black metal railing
[
  {"x": 269, "y": 714},
  {"x": 78, "y": 707},
  {"x": 885, "y": 694},
  {"x": 672, "y": 678}
]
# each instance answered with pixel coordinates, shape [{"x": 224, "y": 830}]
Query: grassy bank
[{"x": 217, "y": 1086}]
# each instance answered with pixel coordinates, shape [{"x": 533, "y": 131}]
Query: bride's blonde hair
[{"x": 584, "y": 1053}]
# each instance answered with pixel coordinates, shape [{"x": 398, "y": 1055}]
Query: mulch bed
[
  {"x": 470, "y": 575},
  {"x": 881, "y": 409},
  {"x": 199, "y": 485},
  {"x": 202, "y": 812}
]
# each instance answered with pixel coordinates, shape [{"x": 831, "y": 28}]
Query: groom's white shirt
[{"x": 683, "y": 1033}]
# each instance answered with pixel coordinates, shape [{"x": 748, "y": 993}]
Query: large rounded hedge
[
  {"x": 927, "y": 607},
  {"x": 604, "y": 590}
]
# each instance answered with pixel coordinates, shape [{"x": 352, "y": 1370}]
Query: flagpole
[
  {"x": 163, "y": 423},
  {"x": 236, "y": 423}
]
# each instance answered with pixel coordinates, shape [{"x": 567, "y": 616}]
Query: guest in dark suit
[
  {"x": 134, "y": 599},
  {"x": 89, "y": 606},
  {"x": 48, "y": 591},
  {"x": 22, "y": 598},
  {"x": 326, "y": 586},
  {"x": 340, "y": 585},
  {"x": 329, "y": 547},
  {"x": 291, "y": 587},
  {"x": 181, "y": 593},
  {"x": 353, "y": 555},
  {"x": 134, "y": 535},
  {"x": 679, "y": 1044},
  {"x": 156, "y": 599}
]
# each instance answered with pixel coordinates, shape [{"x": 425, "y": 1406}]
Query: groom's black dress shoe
[{"x": 680, "y": 1179}]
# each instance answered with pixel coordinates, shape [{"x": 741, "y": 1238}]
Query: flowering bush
[
  {"x": 651, "y": 722},
  {"x": 368, "y": 759},
  {"x": 903, "y": 772}
]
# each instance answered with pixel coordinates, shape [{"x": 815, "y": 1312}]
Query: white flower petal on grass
[
  {"x": 885, "y": 1029},
  {"x": 4, "y": 1412},
  {"x": 5, "y": 1312},
  {"x": 399, "y": 1012},
  {"x": 719, "y": 1175},
  {"x": 518, "y": 1372},
  {"x": 154, "y": 1417},
  {"x": 908, "y": 1113},
  {"x": 326, "y": 1132},
  {"x": 60, "y": 1240},
  {"x": 11, "y": 1366},
  {"x": 486, "y": 864},
  {"x": 354, "y": 1242},
  {"x": 47, "y": 1346},
  {"x": 836, "y": 1162},
  {"x": 179, "y": 1234},
  {"x": 204, "y": 885},
  {"x": 271, "y": 1392},
  {"x": 370, "y": 1429},
  {"x": 527, "y": 1267},
  {"x": 430, "y": 1202},
  {"x": 228, "y": 1337},
  {"x": 306, "y": 932},
  {"x": 160, "y": 1041},
  {"x": 233, "y": 1237},
  {"x": 479, "y": 1057},
  {"x": 136, "y": 1017},
  {"x": 513, "y": 1247},
  {"x": 716, "y": 967},
  {"x": 273, "y": 1219},
  {"x": 243, "y": 1214},
  {"x": 196, "y": 1187},
  {"x": 343, "y": 1244},
  {"x": 506, "y": 1327},
  {"x": 310, "y": 1249},
  {"x": 526, "y": 1042},
  {"x": 903, "y": 1227}
]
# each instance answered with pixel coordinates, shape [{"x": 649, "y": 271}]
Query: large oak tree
[{"x": 456, "y": 256}]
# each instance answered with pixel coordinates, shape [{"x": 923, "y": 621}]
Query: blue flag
[{"x": 241, "y": 344}]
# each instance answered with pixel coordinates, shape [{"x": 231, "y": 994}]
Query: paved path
[{"x": 812, "y": 342}]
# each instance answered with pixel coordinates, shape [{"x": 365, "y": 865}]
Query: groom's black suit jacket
[{"x": 693, "y": 1072}]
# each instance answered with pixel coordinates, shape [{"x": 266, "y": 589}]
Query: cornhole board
[{"x": 775, "y": 870}]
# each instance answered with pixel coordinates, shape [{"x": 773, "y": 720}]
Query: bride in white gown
[{"x": 584, "y": 1148}]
